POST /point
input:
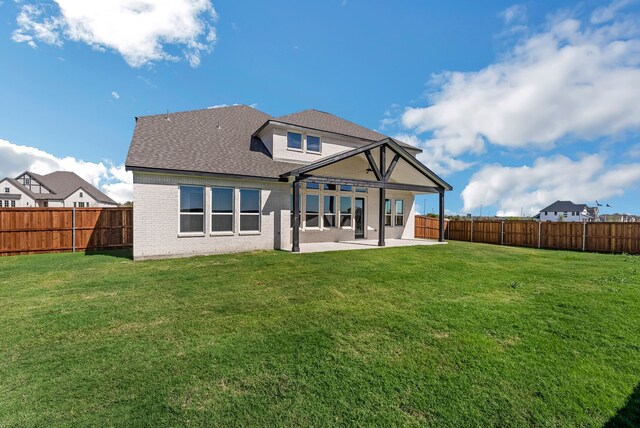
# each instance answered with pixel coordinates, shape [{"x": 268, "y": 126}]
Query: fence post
[
  {"x": 471, "y": 240},
  {"x": 502, "y": 233},
  {"x": 584, "y": 235},
  {"x": 73, "y": 230},
  {"x": 539, "y": 232}
]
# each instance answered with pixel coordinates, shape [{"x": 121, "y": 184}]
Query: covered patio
[
  {"x": 367, "y": 167},
  {"x": 363, "y": 244}
]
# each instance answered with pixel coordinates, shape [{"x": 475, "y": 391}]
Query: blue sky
[{"x": 515, "y": 104}]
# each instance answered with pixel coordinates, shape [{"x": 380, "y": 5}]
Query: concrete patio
[{"x": 363, "y": 244}]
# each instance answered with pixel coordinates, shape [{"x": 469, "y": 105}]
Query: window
[
  {"x": 546, "y": 213},
  {"x": 81, "y": 204},
  {"x": 75, "y": 204},
  {"x": 312, "y": 211},
  {"x": 27, "y": 181},
  {"x": 191, "y": 209},
  {"x": 361, "y": 189},
  {"x": 221, "y": 209},
  {"x": 564, "y": 214},
  {"x": 294, "y": 141},
  {"x": 13, "y": 204},
  {"x": 81, "y": 194},
  {"x": 387, "y": 212},
  {"x": 555, "y": 213},
  {"x": 313, "y": 186},
  {"x": 6, "y": 204},
  {"x": 330, "y": 187},
  {"x": 249, "y": 210},
  {"x": 313, "y": 143},
  {"x": 345, "y": 188},
  {"x": 345, "y": 211},
  {"x": 7, "y": 190},
  {"x": 399, "y": 212},
  {"x": 329, "y": 211}
]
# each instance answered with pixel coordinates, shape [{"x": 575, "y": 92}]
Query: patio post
[
  {"x": 441, "y": 217},
  {"x": 381, "y": 210},
  {"x": 296, "y": 216}
]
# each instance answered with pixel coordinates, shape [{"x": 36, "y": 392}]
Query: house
[
  {"x": 227, "y": 179},
  {"x": 57, "y": 189},
  {"x": 568, "y": 211}
]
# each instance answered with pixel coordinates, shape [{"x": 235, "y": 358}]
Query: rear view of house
[
  {"x": 57, "y": 189},
  {"x": 228, "y": 179}
]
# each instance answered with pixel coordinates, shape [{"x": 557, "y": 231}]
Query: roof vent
[
  {"x": 167, "y": 116},
  {"x": 218, "y": 125}
]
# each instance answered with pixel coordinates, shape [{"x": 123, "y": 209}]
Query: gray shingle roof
[
  {"x": 62, "y": 184},
  {"x": 215, "y": 140},
  {"x": 565, "y": 206},
  {"x": 220, "y": 140},
  {"x": 65, "y": 183}
]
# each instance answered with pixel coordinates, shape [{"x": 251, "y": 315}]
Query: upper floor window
[
  {"x": 221, "y": 209},
  {"x": 191, "y": 209},
  {"x": 81, "y": 195},
  {"x": 313, "y": 186},
  {"x": 313, "y": 143},
  {"x": 249, "y": 210},
  {"x": 294, "y": 140},
  {"x": 7, "y": 190},
  {"x": 346, "y": 188},
  {"x": 27, "y": 181}
]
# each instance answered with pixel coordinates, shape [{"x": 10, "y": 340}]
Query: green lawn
[{"x": 455, "y": 335}]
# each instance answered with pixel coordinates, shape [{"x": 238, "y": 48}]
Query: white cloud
[
  {"x": 111, "y": 179},
  {"x": 514, "y": 14},
  {"x": 434, "y": 156},
  {"x": 607, "y": 13},
  {"x": 569, "y": 81},
  {"x": 137, "y": 29},
  {"x": 533, "y": 187},
  {"x": 115, "y": 95}
]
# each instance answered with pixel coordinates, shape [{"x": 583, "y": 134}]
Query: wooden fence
[
  {"x": 47, "y": 230},
  {"x": 607, "y": 237}
]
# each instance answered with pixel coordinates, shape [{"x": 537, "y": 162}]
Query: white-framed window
[
  {"x": 249, "y": 210},
  {"x": 345, "y": 211},
  {"x": 294, "y": 141},
  {"x": 191, "y": 209},
  {"x": 6, "y": 204},
  {"x": 75, "y": 204},
  {"x": 7, "y": 190},
  {"x": 13, "y": 204},
  {"x": 564, "y": 214},
  {"x": 81, "y": 195},
  {"x": 399, "y": 212},
  {"x": 312, "y": 211},
  {"x": 27, "y": 181},
  {"x": 346, "y": 188},
  {"x": 387, "y": 213},
  {"x": 222, "y": 209},
  {"x": 314, "y": 144},
  {"x": 329, "y": 211}
]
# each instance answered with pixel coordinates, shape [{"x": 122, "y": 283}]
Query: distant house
[
  {"x": 58, "y": 189},
  {"x": 568, "y": 211}
]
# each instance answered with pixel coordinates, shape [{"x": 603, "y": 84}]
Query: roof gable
[{"x": 565, "y": 206}]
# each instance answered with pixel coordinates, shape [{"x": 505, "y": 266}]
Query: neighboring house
[
  {"x": 568, "y": 211},
  {"x": 58, "y": 189},
  {"x": 227, "y": 179}
]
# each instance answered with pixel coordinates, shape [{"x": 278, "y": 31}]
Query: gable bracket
[
  {"x": 372, "y": 164},
  {"x": 392, "y": 165}
]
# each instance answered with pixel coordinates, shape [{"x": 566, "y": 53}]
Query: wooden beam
[
  {"x": 373, "y": 184},
  {"x": 381, "y": 212},
  {"x": 296, "y": 217},
  {"x": 372, "y": 164},
  {"x": 441, "y": 217},
  {"x": 392, "y": 166}
]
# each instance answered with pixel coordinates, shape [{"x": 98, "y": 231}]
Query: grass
[{"x": 455, "y": 335}]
